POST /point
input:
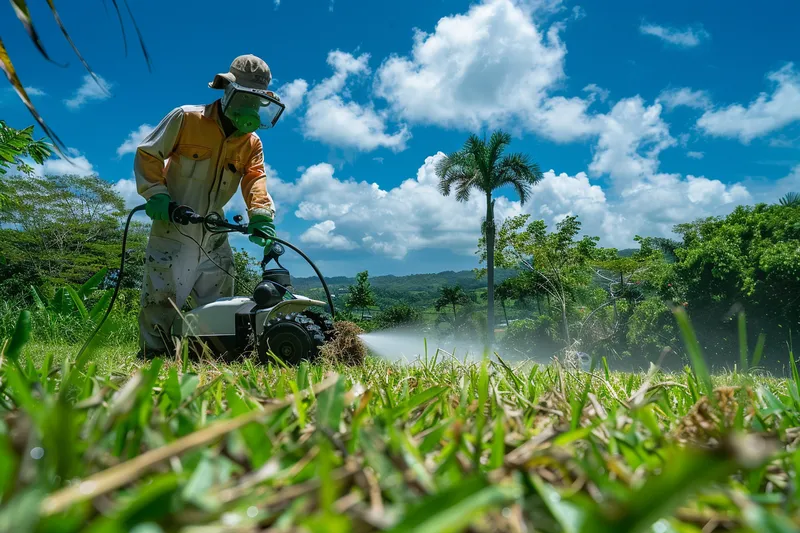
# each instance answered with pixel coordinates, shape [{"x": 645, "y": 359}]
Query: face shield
[{"x": 251, "y": 109}]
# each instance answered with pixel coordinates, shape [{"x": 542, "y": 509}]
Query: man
[{"x": 198, "y": 156}]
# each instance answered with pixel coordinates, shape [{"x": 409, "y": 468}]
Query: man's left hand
[{"x": 263, "y": 223}]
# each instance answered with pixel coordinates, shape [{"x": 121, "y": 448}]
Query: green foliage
[
  {"x": 248, "y": 274},
  {"x": 399, "y": 315},
  {"x": 452, "y": 298},
  {"x": 531, "y": 338},
  {"x": 61, "y": 230},
  {"x": 440, "y": 445},
  {"x": 17, "y": 144},
  {"x": 360, "y": 295},
  {"x": 75, "y": 302},
  {"x": 790, "y": 199}
]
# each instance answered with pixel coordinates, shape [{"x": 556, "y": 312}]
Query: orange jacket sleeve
[
  {"x": 153, "y": 152},
  {"x": 254, "y": 183}
]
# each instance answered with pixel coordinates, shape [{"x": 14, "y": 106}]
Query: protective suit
[{"x": 191, "y": 158}]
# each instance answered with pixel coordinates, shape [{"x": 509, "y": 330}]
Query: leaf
[
  {"x": 20, "y": 337},
  {"x": 330, "y": 405},
  {"x": 693, "y": 348},
  {"x": 415, "y": 401},
  {"x": 24, "y": 16},
  {"x": 77, "y": 302},
  {"x": 8, "y": 69},
  {"x": 102, "y": 304},
  {"x": 19, "y": 513},
  {"x": 93, "y": 282},
  {"x": 254, "y": 435},
  {"x": 569, "y": 515},
  {"x": 172, "y": 388},
  {"x": 38, "y": 299},
  {"x": 454, "y": 508}
]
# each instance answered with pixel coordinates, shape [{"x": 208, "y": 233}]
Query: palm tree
[
  {"x": 483, "y": 167},
  {"x": 451, "y": 297},
  {"x": 790, "y": 199}
]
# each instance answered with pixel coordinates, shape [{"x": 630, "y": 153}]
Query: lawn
[{"x": 433, "y": 446}]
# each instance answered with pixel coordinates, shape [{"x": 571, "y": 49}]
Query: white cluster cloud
[
  {"x": 134, "y": 139},
  {"x": 89, "y": 90},
  {"x": 688, "y": 37},
  {"x": 685, "y": 96},
  {"x": 767, "y": 113},
  {"x": 332, "y": 117},
  {"x": 77, "y": 165},
  {"x": 491, "y": 66}
]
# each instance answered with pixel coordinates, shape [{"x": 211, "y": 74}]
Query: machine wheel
[
  {"x": 293, "y": 338},
  {"x": 325, "y": 324}
]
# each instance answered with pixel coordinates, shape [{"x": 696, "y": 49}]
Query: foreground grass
[{"x": 434, "y": 446}]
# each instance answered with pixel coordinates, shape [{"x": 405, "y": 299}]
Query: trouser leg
[
  {"x": 213, "y": 282},
  {"x": 168, "y": 278}
]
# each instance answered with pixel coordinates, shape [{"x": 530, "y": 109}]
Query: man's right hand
[{"x": 157, "y": 207}]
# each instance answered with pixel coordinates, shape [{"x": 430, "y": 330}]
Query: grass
[{"x": 435, "y": 446}]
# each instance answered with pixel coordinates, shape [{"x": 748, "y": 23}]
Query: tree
[
  {"x": 400, "y": 314},
  {"x": 361, "y": 295},
  {"x": 247, "y": 273},
  {"x": 556, "y": 262},
  {"x": 451, "y": 297},
  {"x": 67, "y": 228},
  {"x": 790, "y": 199},
  {"x": 482, "y": 166},
  {"x": 505, "y": 291}
]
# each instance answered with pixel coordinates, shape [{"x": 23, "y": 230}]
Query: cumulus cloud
[
  {"x": 89, "y": 90},
  {"x": 292, "y": 94},
  {"x": 632, "y": 136},
  {"x": 695, "y": 155},
  {"x": 767, "y": 113},
  {"x": 77, "y": 165},
  {"x": 492, "y": 66},
  {"x": 322, "y": 235},
  {"x": 334, "y": 118},
  {"x": 134, "y": 139},
  {"x": 687, "y": 37},
  {"x": 685, "y": 96}
]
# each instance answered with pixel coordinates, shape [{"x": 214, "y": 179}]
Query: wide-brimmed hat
[{"x": 246, "y": 72}]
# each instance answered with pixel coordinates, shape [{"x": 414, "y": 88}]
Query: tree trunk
[
  {"x": 505, "y": 314},
  {"x": 539, "y": 303},
  {"x": 455, "y": 317},
  {"x": 564, "y": 318},
  {"x": 490, "y": 268}
]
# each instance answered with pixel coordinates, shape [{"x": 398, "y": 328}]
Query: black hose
[{"x": 116, "y": 288}]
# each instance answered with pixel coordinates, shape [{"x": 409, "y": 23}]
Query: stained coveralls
[{"x": 203, "y": 171}]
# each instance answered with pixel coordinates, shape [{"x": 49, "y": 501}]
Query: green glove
[
  {"x": 265, "y": 224},
  {"x": 157, "y": 207}
]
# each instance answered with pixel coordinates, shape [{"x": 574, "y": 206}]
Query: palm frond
[
  {"x": 7, "y": 66},
  {"x": 790, "y": 199},
  {"x": 520, "y": 172},
  {"x": 497, "y": 145}
]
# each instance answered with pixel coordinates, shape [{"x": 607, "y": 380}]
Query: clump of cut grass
[{"x": 346, "y": 346}]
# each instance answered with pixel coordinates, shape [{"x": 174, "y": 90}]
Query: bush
[
  {"x": 531, "y": 337},
  {"x": 397, "y": 316}
]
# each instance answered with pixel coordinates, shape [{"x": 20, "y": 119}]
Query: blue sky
[{"x": 641, "y": 114}]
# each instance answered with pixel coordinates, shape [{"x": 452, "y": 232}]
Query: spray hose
[{"x": 212, "y": 222}]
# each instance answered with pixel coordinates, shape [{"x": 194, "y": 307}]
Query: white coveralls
[{"x": 203, "y": 171}]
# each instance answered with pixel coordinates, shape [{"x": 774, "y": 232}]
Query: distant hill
[
  {"x": 419, "y": 290},
  {"x": 412, "y": 282}
]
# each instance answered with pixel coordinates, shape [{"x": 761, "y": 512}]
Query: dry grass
[{"x": 346, "y": 347}]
